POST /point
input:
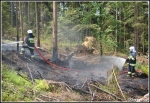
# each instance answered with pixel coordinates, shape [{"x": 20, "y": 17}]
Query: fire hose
[
  {"x": 50, "y": 63},
  {"x": 56, "y": 66}
]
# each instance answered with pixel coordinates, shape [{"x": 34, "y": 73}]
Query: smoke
[
  {"x": 66, "y": 32},
  {"x": 70, "y": 63},
  {"x": 95, "y": 67}
]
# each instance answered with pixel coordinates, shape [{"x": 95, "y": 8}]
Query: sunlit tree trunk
[
  {"x": 116, "y": 49},
  {"x": 37, "y": 24},
  {"x": 25, "y": 10},
  {"x": 12, "y": 14},
  {"x": 21, "y": 22},
  {"x": 28, "y": 13},
  {"x": 42, "y": 19},
  {"x": 17, "y": 26},
  {"x": 136, "y": 32},
  {"x": 55, "y": 51},
  {"x": 100, "y": 31}
]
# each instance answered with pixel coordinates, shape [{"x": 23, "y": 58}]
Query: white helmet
[
  {"x": 29, "y": 31},
  {"x": 132, "y": 49}
]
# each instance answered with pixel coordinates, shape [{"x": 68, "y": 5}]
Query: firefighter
[
  {"x": 131, "y": 62},
  {"x": 29, "y": 43}
]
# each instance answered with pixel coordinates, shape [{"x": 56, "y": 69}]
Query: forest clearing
[{"x": 80, "y": 51}]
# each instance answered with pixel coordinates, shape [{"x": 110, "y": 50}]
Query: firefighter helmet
[
  {"x": 132, "y": 49},
  {"x": 29, "y": 31}
]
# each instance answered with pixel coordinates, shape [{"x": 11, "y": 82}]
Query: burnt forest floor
[{"x": 76, "y": 76}]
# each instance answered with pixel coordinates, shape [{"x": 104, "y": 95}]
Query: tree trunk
[
  {"x": 136, "y": 32},
  {"x": 37, "y": 24},
  {"x": 143, "y": 44},
  {"x": 42, "y": 19},
  {"x": 100, "y": 35},
  {"x": 116, "y": 49},
  {"x": 55, "y": 51},
  {"x": 26, "y": 10},
  {"x": 21, "y": 22},
  {"x": 29, "y": 13},
  {"x": 124, "y": 36},
  {"x": 101, "y": 49},
  {"x": 17, "y": 26},
  {"x": 12, "y": 14},
  {"x": 120, "y": 26},
  {"x": 124, "y": 28},
  {"x": 88, "y": 29}
]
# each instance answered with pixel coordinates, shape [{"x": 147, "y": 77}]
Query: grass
[
  {"x": 41, "y": 85},
  {"x": 142, "y": 67},
  {"x": 14, "y": 87}
]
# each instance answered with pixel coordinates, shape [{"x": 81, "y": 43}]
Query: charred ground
[{"x": 84, "y": 67}]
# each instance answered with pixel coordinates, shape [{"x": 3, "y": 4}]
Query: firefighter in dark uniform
[
  {"x": 131, "y": 62},
  {"x": 29, "y": 43}
]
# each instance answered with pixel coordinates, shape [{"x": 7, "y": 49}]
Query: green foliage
[
  {"x": 75, "y": 20},
  {"x": 41, "y": 85},
  {"x": 138, "y": 65},
  {"x": 14, "y": 87},
  {"x": 143, "y": 67},
  {"x": 106, "y": 88},
  {"x": 5, "y": 17},
  {"x": 111, "y": 82},
  {"x": 11, "y": 75},
  {"x": 109, "y": 44}
]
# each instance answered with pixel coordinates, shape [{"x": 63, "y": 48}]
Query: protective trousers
[
  {"x": 131, "y": 70},
  {"x": 31, "y": 49}
]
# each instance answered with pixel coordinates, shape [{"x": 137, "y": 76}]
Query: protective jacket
[
  {"x": 132, "y": 58},
  {"x": 30, "y": 40}
]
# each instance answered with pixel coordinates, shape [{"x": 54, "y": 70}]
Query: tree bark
[
  {"x": 55, "y": 51},
  {"x": 88, "y": 29},
  {"x": 100, "y": 35},
  {"x": 42, "y": 18},
  {"x": 12, "y": 14},
  {"x": 21, "y": 22},
  {"x": 136, "y": 32},
  {"x": 116, "y": 49},
  {"x": 17, "y": 26},
  {"x": 37, "y": 24},
  {"x": 29, "y": 13},
  {"x": 26, "y": 10}
]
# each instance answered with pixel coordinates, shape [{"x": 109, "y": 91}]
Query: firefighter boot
[
  {"x": 22, "y": 51},
  {"x": 133, "y": 75},
  {"x": 129, "y": 74},
  {"x": 32, "y": 56}
]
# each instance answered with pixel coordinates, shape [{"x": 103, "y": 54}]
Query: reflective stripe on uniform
[
  {"x": 129, "y": 72},
  {"x": 31, "y": 40},
  {"x": 131, "y": 57},
  {"x": 133, "y": 73},
  {"x": 32, "y": 56},
  {"x": 22, "y": 49},
  {"x": 31, "y": 47},
  {"x": 132, "y": 64}
]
